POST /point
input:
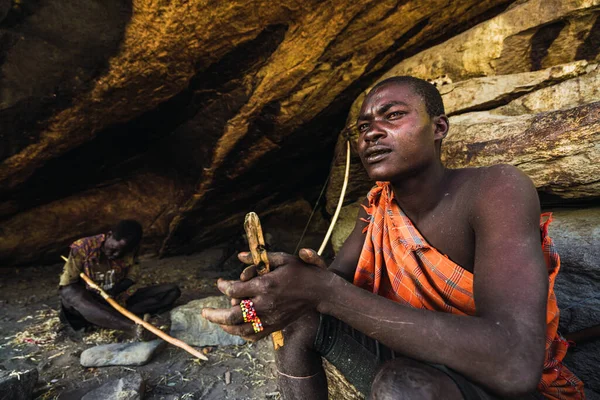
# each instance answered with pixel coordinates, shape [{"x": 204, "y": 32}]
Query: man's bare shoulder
[
  {"x": 488, "y": 189},
  {"x": 504, "y": 178},
  {"x": 501, "y": 188},
  {"x": 482, "y": 179}
]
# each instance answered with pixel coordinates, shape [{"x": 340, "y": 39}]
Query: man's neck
[{"x": 418, "y": 194}]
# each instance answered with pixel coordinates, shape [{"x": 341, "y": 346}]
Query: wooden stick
[
  {"x": 256, "y": 241},
  {"x": 340, "y": 201},
  {"x": 139, "y": 321}
]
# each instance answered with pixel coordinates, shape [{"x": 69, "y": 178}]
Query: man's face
[
  {"x": 396, "y": 135},
  {"x": 113, "y": 248}
]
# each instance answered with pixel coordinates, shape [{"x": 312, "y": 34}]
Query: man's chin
[{"x": 378, "y": 176}]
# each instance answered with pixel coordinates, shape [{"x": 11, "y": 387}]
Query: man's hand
[{"x": 292, "y": 288}]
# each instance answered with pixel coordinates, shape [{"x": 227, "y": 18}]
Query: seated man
[
  {"x": 110, "y": 260},
  {"x": 452, "y": 272}
]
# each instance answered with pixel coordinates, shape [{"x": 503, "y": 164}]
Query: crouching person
[
  {"x": 444, "y": 290},
  {"x": 110, "y": 260}
]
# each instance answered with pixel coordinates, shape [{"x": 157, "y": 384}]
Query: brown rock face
[
  {"x": 558, "y": 149},
  {"x": 215, "y": 98},
  {"x": 530, "y": 36},
  {"x": 33, "y": 229},
  {"x": 487, "y": 92}
]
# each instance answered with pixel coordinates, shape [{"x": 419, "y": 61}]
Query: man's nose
[{"x": 375, "y": 132}]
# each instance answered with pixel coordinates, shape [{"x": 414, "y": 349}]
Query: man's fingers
[
  {"x": 248, "y": 273},
  {"x": 224, "y": 316},
  {"x": 310, "y": 256},
  {"x": 238, "y": 289},
  {"x": 245, "y": 331},
  {"x": 276, "y": 259},
  {"x": 245, "y": 257}
]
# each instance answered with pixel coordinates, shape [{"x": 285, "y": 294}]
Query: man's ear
[{"x": 441, "y": 127}]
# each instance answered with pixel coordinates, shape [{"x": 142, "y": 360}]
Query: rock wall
[
  {"x": 218, "y": 97},
  {"x": 521, "y": 88}
]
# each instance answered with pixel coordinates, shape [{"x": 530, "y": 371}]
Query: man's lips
[{"x": 376, "y": 153}]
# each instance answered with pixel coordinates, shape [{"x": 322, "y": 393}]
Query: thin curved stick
[{"x": 340, "y": 201}]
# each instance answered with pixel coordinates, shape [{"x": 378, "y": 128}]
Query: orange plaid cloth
[{"x": 397, "y": 262}]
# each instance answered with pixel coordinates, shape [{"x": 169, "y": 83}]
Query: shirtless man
[
  {"x": 111, "y": 261},
  {"x": 457, "y": 302}
]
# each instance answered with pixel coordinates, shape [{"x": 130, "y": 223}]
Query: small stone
[
  {"x": 128, "y": 388},
  {"x": 17, "y": 385},
  {"x": 138, "y": 353},
  {"x": 187, "y": 324}
]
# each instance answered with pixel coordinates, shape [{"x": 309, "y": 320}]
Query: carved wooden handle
[{"x": 256, "y": 241}]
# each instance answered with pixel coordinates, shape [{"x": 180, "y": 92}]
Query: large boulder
[
  {"x": 529, "y": 36},
  {"x": 558, "y": 149},
  {"x": 105, "y": 355},
  {"x": 576, "y": 234},
  {"x": 187, "y": 324},
  {"x": 493, "y": 91},
  {"x": 17, "y": 385},
  {"x": 578, "y": 91}
]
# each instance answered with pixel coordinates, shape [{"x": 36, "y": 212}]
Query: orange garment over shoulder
[{"x": 397, "y": 262}]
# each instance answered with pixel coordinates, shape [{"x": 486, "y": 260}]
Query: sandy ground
[{"x": 31, "y": 337}]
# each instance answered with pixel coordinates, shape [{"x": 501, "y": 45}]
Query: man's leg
[
  {"x": 403, "y": 378},
  {"x": 300, "y": 369},
  {"x": 153, "y": 299},
  {"x": 78, "y": 298},
  {"x": 380, "y": 373}
]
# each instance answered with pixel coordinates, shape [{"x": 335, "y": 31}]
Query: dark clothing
[
  {"x": 165, "y": 295},
  {"x": 359, "y": 357}
]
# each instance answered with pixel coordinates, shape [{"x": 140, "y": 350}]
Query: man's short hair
[
  {"x": 429, "y": 93},
  {"x": 130, "y": 230}
]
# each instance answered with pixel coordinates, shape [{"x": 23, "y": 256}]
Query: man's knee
[
  {"x": 166, "y": 292},
  {"x": 71, "y": 296},
  {"x": 173, "y": 291},
  {"x": 407, "y": 379},
  {"x": 303, "y": 331}
]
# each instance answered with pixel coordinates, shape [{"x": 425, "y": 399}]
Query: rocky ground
[{"x": 31, "y": 337}]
